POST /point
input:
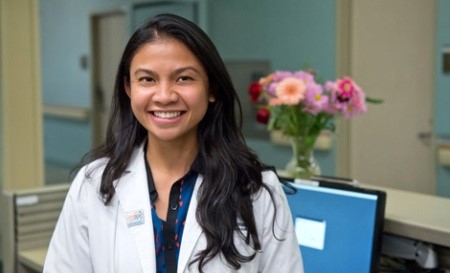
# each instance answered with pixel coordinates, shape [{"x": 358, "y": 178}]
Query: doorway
[
  {"x": 391, "y": 55},
  {"x": 109, "y": 35}
]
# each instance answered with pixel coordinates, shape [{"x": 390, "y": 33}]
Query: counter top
[{"x": 415, "y": 215}]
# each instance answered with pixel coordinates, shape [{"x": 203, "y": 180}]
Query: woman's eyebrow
[
  {"x": 185, "y": 68},
  {"x": 143, "y": 70}
]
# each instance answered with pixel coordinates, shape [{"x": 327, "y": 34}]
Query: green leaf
[{"x": 374, "y": 101}]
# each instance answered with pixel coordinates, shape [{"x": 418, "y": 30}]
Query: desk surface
[
  {"x": 33, "y": 259},
  {"x": 418, "y": 216}
]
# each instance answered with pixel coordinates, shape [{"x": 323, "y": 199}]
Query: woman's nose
[{"x": 165, "y": 93}]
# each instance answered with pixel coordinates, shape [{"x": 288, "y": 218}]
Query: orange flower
[
  {"x": 291, "y": 91},
  {"x": 266, "y": 80},
  {"x": 275, "y": 102}
]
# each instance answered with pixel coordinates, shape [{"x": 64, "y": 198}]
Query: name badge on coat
[{"x": 135, "y": 217}]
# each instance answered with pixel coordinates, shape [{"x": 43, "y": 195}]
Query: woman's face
[{"x": 168, "y": 90}]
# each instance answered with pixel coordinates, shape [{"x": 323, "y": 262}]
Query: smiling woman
[{"x": 163, "y": 193}]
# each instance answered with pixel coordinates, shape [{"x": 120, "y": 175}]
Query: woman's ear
[
  {"x": 127, "y": 87},
  {"x": 211, "y": 98}
]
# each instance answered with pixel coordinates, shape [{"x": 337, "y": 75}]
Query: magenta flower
[
  {"x": 346, "y": 89},
  {"x": 346, "y": 98}
]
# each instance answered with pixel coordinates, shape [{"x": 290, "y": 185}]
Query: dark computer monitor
[{"x": 339, "y": 226}]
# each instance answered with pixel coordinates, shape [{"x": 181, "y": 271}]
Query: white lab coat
[{"x": 92, "y": 237}]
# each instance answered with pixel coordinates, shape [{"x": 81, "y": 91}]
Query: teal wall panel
[
  {"x": 66, "y": 141},
  {"x": 64, "y": 40},
  {"x": 442, "y": 93},
  {"x": 142, "y": 13},
  {"x": 1, "y": 163},
  {"x": 264, "y": 29}
]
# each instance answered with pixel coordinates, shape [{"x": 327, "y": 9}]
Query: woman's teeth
[{"x": 167, "y": 114}]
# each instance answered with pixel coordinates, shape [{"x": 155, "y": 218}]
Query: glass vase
[{"x": 303, "y": 165}]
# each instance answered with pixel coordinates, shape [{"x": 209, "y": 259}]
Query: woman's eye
[
  {"x": 184, "y": 79},
  {"x": 145, "y": 79}
]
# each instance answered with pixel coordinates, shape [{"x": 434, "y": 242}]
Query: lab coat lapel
[
  {"x": 192, "y": 231},
  {"x": 132, "y": 192}
]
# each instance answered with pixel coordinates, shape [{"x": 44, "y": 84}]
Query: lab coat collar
[{"x": 132, "y": 193}]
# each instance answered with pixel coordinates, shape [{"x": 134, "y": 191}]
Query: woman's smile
[{"x": 166, "y": 115}]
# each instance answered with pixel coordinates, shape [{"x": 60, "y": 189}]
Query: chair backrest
[{"x": 28, "y": 220}]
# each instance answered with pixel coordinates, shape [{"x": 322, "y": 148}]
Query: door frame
[
  {"x": 343, "y": 67},
  {"x": 95, "y": 100}
]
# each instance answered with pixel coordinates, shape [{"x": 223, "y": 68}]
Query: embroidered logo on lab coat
[{"x": 135, "y": 217}]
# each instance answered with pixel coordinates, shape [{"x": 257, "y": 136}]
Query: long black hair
[{"x": 232, "y": 171}]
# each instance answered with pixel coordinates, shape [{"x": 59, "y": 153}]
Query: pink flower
[
  {"x": 291, "y": 91},
  {"x": 356, "y": 105},
  {"x": 329, "y": 85},
  {"x": 316, "y": 101},
  {"x": 305, "y": 76},
  {"x": 281, "y": 75}
]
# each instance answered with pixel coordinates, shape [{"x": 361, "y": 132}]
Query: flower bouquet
[{"x": 294, "y": 103}]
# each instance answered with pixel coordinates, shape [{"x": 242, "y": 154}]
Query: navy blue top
[{"x": 168, "y": 234}]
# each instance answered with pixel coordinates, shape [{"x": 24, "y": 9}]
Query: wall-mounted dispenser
[{"x": 446, "y": 60}]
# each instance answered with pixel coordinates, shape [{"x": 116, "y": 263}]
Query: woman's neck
[{"x": 170, "y": 160}]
